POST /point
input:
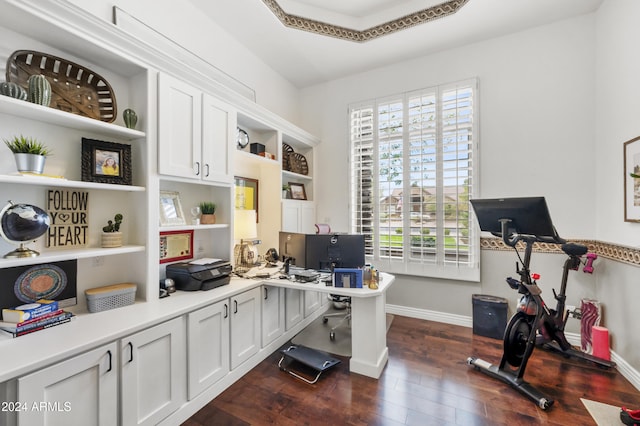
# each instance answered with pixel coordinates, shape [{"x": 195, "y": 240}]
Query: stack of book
[{"x": 33, "y": 317}]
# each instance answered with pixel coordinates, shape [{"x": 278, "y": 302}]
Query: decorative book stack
[{"x": 33, "y": 317}]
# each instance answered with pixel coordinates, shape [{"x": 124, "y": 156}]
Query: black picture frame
[{"x": 95, "y": 156}]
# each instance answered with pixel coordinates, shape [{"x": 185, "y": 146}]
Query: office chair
[{"x": 339, "y": 302}]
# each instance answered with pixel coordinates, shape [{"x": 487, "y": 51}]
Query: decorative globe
[{"x": 20, "y": 223}]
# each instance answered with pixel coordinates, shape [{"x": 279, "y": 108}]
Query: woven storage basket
[
  {"x": 286, "y": 150},
  {"x": 110, "y": 297},
  {"x": 298, "y": 163},
  {"x": 74, "y": 88}
]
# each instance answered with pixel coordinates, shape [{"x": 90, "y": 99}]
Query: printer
[{"x": 191, "y": 277}]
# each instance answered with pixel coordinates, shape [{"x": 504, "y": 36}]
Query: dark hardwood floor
[{"x": 426, "y": 382}]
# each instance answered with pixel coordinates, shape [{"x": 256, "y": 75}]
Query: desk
[{"x": 369, "y": 352}]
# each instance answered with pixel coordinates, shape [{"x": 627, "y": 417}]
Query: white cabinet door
[
  {"x": 218, "y": 139},
  {"x": 294, "y": 308},
  {"x": 298, "y": 216},
  {"x": 290, "y": 217},
  {"x": 80, "y": 391},
  {"x": 312, "y": 302},
  {"x": 154, "y": 375},
  {"x": 273, "y": 325},
  {"x": 179, "y": 128},
  {"x": 245, "y": 326},
  {"x": 208, "y": 332},
  {"x": 307, "y": 217}
]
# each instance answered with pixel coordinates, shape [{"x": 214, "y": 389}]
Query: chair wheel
[
  {"x": 325, "y": 320},
  {"x": 332, "y": 336}
]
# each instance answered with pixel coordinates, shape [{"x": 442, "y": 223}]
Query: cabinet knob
[
  {"x": 197, "y": 164},
  {"x": 207, "y": 169}
]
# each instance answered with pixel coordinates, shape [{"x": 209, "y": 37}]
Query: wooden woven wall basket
[{"x": 74, "y": 88}]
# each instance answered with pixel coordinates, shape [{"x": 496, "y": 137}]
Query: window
[{"x": 413, "y": 171}]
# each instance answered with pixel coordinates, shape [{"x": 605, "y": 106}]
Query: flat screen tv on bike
[{"x": 528, "y": 215}]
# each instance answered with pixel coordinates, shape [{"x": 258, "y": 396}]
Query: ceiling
[{"x": 306, "y": 58}]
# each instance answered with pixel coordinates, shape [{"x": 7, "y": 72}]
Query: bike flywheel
[{"x": 516, "y": 338}]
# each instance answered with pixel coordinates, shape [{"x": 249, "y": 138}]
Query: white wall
[
  {"x": 536, "y": 118},
  {"x": 190, "y": 28},
  {"x": 618, "y": 112}
]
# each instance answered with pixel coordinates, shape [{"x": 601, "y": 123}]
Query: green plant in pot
[
  {"x": 29, "y": 153},
  {"x": 286, "y": 191},
  {"x": 111, "y": 235},
  {"x": 208, "y": 210}
]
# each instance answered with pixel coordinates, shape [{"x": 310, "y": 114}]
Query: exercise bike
[{"x": 534, "y": 323}]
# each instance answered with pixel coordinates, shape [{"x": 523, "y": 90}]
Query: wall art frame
[
  {"x": 106, "y": 162},
  {"x": 176, "y": 245},
  {"x": 632, "y": 180},
  {"x": 246, "y": 195},
  {"x": 298, "y": 191}
]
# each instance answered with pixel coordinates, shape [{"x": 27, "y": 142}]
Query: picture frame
[
  {"x": 106, "y": 162},
  {"x": 246, "y": 194},
  {"x": 171, "y": 213},
  {"x": 176, "y": 245},
  {"x": 297, "y": 191},
  {"x": 631, "y": 182}
]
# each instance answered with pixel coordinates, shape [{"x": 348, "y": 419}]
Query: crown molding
[{"x": 329, "y": 30}]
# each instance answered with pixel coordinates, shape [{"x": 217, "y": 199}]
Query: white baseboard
[{"x": 627, "y": 371}]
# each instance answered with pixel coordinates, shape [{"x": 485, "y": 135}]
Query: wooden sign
[{"x": 69, "y": 219}]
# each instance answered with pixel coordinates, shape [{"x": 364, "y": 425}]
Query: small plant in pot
[
  {"x": 286, "y": 191},
  {"x": 29, "y": 153},
  {"x": 111, "y": 235},
  {"x": 208, "y": 210}
]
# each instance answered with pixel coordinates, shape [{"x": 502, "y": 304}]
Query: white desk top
[{"x": 90, "y": 330}]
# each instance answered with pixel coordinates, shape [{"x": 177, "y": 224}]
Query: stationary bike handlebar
[{"x": 511, "y": 238}]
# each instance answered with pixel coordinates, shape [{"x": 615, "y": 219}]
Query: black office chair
[{"x": 339, "y": 302}]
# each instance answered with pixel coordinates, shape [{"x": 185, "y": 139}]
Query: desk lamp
[{"x": 245, "y": 230}]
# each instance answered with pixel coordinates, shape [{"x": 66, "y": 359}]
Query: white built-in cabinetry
[
  {"x": 172, "y": 355},
  {"x": 273, "y": 314},
  {"x": 245, "y": 326},
  {"x": 298, "y": 216},
  {"x": 83, "y": 390},
  {"x": 195, "y": 132},
  {"x": 208, "y": 350},
  {"x": 153, "y": 373},
  {"x": 294, "y": 307}
]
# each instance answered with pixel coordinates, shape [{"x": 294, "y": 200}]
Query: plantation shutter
[{"x": 413, "y": 171}]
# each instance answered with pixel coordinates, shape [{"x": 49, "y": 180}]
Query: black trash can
[{"x": 489, "y": 315}]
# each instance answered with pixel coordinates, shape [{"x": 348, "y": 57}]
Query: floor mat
[
  {"x": 316, "y": 335},
  {"x": 603, "y": 414}
]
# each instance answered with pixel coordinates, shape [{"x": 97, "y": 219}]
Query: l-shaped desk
[{"x": 369, "y": 352}]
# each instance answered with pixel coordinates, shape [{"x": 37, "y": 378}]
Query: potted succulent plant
[
  {"x": 208, "y": 210},
  {"x": 286, "y": 188},
  {"x": 29, "y": 153},
  {"x": 111, "y": 235}
]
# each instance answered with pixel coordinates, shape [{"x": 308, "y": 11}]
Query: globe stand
[{"x": 21, "y": 252}]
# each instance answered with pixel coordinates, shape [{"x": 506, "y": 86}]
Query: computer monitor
[
  {"x": 527, "y": 215},
  {"x": 292, "y": 248},
  {"x": 328, "y": 251},
  {"x": 322, "y": 251}
]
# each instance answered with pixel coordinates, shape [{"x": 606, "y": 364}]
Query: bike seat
[{"x": 573, "y": 249}]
